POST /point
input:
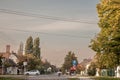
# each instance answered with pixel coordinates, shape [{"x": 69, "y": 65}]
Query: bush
[{"x": 91, "y": 72}]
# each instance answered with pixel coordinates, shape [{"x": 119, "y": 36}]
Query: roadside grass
[
  {"x": 9, "y": 78},
  {"x": 105, "y": 78},
  {"x": 97, "y": 78},
  {"x": 73, "y": 79}
]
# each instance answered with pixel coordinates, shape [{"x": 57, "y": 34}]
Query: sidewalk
[{"x": 81, "y": 77}]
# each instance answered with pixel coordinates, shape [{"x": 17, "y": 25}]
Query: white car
[{"x": 32, "y": 72}]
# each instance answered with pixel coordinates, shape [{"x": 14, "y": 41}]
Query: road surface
[{"x": 46, "y": 77}]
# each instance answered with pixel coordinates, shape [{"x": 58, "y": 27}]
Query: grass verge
[
  {"x": 9, "y": 78},
  {"x": 105, "y": 78},
  {"x": 73, "y": 79}
]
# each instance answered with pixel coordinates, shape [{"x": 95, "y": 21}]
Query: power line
[
  {"x": 43, "y": 16},
  {"x": 44, "y": 33}
]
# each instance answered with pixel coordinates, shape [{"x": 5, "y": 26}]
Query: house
[
  {"x": 10, "y": 61},
  {"x": 85, "y": 65},
  {"x": 9, "y": 55}
]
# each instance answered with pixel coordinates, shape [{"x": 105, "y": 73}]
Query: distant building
[
  {"x": 9, "y": 55},
  {"x": 20, "y": 50},
  {"x": 14, "y": 57},
  {"x": 86, "y": 62},
  {"x": 11, "y": 58},
  {"x": 84, "y": 65}
]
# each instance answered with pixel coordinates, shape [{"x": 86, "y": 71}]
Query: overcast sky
[{"x": 57, "y": 37}]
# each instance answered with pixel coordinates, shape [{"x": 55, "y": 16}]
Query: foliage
[
  {"x": 46, "y": 64},
  {"x": 22, "y": 58},
  {"x": 32, "y": 56},
  {"x": 36, "y": 48},
  {"x": 68, "y": 61},
  {"x": 104, "y": 61},
  {"x": 43, "y": 68},
  {"x": 32, "y": 62},
  {"x": 9, "y": 78},
  {"x": 107, "y": 43},
  {"x": 7, "y": 64},
  {"x": 92, "y": 69},
  {"x": 0, "y": 61},
  {"x": 29, "y": 45},
  {"x": 31, "y": 48}
]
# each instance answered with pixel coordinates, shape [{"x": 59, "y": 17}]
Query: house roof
[
  {"x": 85, "y": 62},
  {"x": 5, "y": 55}
]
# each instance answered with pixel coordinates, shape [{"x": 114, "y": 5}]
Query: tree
[
  {"x": 0, "y": 60},
  {"x": 107, "y": 42},
  {"x": 68, "y": 61},
  {"x": 104, "y": 61},
  {"x": 32, "y": 52},
  {"x": 32, "y": 62},
  {"x": 36, "y": 48},
  {"x": 29, "y": 45}
]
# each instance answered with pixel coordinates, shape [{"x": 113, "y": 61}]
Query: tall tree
[
  {"x": 108, "y": 39},
  {"x": 29, "y": 45},
  {"x": 68, "y": 61},
  {"x": 36, "y": 48}
]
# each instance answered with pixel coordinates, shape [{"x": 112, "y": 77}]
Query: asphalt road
[
  {"x": 45, "y": 77},
  {"x": 54, "y": 77}
]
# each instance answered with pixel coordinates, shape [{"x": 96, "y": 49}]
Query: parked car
[{"x": 32, "y": 72}]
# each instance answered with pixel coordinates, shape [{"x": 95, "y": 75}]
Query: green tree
[
  {"x": 32, "y": 62},
  {"x": 36, "y": 48},
  {"x": 103, "y": 61},
  {"x": 29, "y": 45},
  {"x": 107, "y": 42},
  {"x": 68, "y": 61}
]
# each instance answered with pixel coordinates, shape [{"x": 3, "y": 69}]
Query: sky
[{"x": 61, "y": 25}]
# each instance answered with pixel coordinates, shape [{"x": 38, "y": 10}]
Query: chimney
[{"x": 7, "y": 48}]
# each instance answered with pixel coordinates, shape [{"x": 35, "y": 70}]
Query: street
[
  {"x": 53, "y": 77},
  {"x": 46, "y": 77}
]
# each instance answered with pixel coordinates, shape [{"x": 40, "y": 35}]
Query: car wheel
[
  {"x": 36, "y": 73},
  {"x": 27, "y": 74}
]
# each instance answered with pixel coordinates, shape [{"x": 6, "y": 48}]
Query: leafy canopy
[{"x": 107, "y": 40}]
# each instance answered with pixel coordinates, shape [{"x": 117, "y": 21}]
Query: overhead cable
[
  {"x": 45, "y": 33},
  {"x": 44, "y": 16}
]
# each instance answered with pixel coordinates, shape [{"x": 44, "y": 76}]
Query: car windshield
[{"x": 32, "y": 70}]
